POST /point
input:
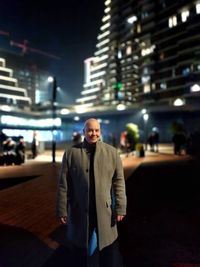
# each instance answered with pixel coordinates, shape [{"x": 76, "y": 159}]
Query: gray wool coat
[{"x": 73, "y": 193}]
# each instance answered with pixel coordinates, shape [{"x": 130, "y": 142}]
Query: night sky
[{"x": 67, "y": 29}]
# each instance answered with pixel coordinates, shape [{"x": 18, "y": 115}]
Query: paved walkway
[{"x": 29, "y": 233}]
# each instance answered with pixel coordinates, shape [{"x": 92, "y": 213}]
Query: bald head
[
  {"x": 91, "y": 121},
  {"x": 92, "y": 130}
]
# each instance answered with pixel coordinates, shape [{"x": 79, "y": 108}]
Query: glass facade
[
  {"x": 10, "y": 92},
  {"x": 147, "y": 54}
]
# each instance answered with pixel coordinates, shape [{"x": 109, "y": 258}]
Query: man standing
[{"x": 91, "y": 195}]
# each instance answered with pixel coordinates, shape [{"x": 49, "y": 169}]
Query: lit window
[
  {"x": 184, "y": 15},
  {"x": 172, "y": 21},
  {"x": 132, "y": 19},
  {"x": 198, "y": 8},
  {"x": 107, "y": 96},
  {"x": 107, "y": 10},
  {"x": 146, "y": 88},
  {"x": 186, "y": 71},
  {"x": 128, "y": 84},
  {"x": 163, "y": 86},
  {"x": 138, "y": 28},
  {"x": 145, "y": 79},
  {"x": 120, "y": 95},
  {"x": 129, "y": 50},
  {"x": 153, "y": 86},
  {"x": 119, "y": 54},
  {"x": 148, "y": 50}
]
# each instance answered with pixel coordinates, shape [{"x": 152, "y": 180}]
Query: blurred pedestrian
[
  {"x": 150, "y": 141},
  {"x": 9, "y": 145},
  {"x": 3, "y": 137},
  {"x": 179, "y": 141},
  {"x": 34, "y": 145},
  {"x": 156, "y": 139},
  {"x": 91, "y": 197},
  {"x": 123, "y": 142},
  {"x": 76, "y": 138},
  {"x": 20, "y": 151},
  {"x": 9, "y": 153}
]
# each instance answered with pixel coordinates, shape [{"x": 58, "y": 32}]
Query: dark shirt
[{"x": 90, "y": 148}]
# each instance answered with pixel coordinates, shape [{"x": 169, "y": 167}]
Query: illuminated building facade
[
  {"x": 30, "y": 66},
  {"x": 24, "y": 86},
  {"x": 10, "y": 92},
  {"x": 147, "y": 55},
  {"x": 30, "y": 73}
]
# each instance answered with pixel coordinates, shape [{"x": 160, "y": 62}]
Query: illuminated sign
[{"x": 40, "y": 123}]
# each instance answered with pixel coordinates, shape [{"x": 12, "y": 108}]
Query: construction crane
[{"x": 26, "y": 49}]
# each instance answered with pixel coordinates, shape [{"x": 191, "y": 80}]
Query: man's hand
[
  {"x": 63, "y": 220},
  {"x": 120, "y": 218}
]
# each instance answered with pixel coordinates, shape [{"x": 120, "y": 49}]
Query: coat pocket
[
  {"x": 111, "y": 212},
  {"x": 108, "y": 203}
]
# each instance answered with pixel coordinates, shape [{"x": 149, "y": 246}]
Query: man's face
[{"x": 92, "y": 131}]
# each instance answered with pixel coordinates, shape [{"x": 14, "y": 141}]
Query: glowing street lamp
[
  {"x": 50, "y": 79},
  {"x": 146, "y": 118},
  {"x": 144, "y": 111},
  {"x": 54, "y": 93}
]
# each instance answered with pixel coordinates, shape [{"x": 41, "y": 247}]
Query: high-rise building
[
  {"x": 31, "y": 67},
  {"x": 10, "y": 92},
  {"x": 147, "y": 55}
]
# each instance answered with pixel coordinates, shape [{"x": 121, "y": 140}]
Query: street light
[
  {"x": 145, "y": 118},
  {"x": 53, "y": 119}
]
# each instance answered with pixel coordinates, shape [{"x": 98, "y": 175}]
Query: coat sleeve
[
  {"x": 61, "y": 196},
  {"x": 119, "y": 188}
]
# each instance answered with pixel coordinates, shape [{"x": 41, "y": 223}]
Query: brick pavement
[{"x": 28, "y": 229}]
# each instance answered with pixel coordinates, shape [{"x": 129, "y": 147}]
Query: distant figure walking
[
  {"x": 20, "y": 150},
  {"x": 153, "y": 141},
  {"x": 150, "y": 141},
  {"x": 156, "y": 138},
  {"x": 76, "y": 138},
  {"x": 34, "y": 145},
  {"x": 179, "y": 141},
  {"x": 3, "y": 137}
]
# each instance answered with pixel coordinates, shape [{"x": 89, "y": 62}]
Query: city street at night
[{"x": 87, "y": 74}]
